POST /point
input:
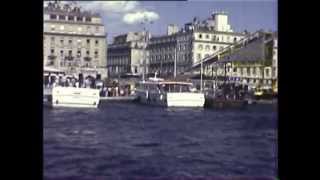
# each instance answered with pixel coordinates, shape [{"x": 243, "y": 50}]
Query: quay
[
  {"x": 225, "y": 103},
  {"x": 118, "y": 98}
]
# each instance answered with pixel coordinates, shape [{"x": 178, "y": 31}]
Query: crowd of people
[
  {"x": 231, "y": 91},
  {"x": 106, "y": 89}
]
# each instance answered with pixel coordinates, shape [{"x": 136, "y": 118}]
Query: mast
[
  {"x": 175, "y": 62},
  {"x": 201, "y": 75}
]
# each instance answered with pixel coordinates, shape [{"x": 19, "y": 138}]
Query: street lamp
[{"x": 145, "y": 40}]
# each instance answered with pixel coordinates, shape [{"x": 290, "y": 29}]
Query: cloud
[
  {"x": 131, "y": 12},
  {"x": 110, "y": 6},
  {"x": 140, "y": 16}
]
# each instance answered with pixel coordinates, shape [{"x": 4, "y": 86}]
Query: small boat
[
  {"x": 72, "y": 97},
  {"x": 156, "y": 91}
]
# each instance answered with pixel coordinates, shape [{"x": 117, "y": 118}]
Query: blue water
[{"x": 122, "y": 140}]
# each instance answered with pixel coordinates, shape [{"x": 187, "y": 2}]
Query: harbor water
[{"x": 122, "y": 140}]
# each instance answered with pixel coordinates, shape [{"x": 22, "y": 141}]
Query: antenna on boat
[{"x": 155, "y": 75}]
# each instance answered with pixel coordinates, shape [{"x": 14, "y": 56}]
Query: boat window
[
  {"x": 185, "y": 88},
  {"x": 176, "y": 88},
  {"x": 165, "y": 87}
]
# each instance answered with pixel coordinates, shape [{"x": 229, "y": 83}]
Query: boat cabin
[{"x": 166, "y": 86}]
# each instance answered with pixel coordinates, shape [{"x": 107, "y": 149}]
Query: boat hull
[
  {"x": 172, "y": 99},
  {"x": 185, "y": 100},
  {"x": 73, "y": 97}
]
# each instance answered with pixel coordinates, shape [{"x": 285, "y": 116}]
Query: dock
[
  {"x": 225, "y": 103},
  {"x": 118, "y": 98}
]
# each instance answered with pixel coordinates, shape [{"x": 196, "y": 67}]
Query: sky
[{"x": 120, "y": 17}]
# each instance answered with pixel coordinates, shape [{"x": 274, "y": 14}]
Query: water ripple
[{"x": 122, "y": 140}]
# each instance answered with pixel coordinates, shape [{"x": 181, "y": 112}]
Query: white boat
[
  {"x": 156, "y": 91},
  {"x": 72, "y": 97}
]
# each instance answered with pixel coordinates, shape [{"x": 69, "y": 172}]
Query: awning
[{"x": 51, "y": 69}]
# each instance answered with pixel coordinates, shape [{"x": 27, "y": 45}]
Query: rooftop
[{"x": 67, "y": 9}]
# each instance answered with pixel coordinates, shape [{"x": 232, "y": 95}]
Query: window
[
  {"x": 214, "y": 38},
  {"x": 207, "y": 47},
  {"x": 62, "y": 17},
  {"x": 61, "y": 52},
  {"x": 200, "y": 36},
  {"x": 79, "y": 18},
  {"x": 53, "y": 16},
  {"x": 70, "y": 52},
  {"x": 97, "y": 29},
  {"x": 221, "y": 48},
  {"x": 214, "y": 47},
  {"x": 70, "y": 41},
  {"x": 88, "y": 41},
  {"x": 52, "y": 27},
  {"x": 199, "y": 56},
  {"x": 52, "y": 51},
  {"x": 228, "y": 38},
  {"x": 61, "y": 41},
  {"x": 71, "y": 18},
  {"x": 88, "y": 19},
  {"x": 88, "y": 53},
  {"x": 200, "y": 47},
  {"x": 207, "y": 36},
  {"x": 52, "y": 39},
  {"x": 79, "y": 53},
  {"x": 96, "y": 54},
  {"x": 274, "y": 72},
  {"x": 267, "y": 72},
  {"x": 235, "y": 39},
  {"x": 234, "y": 69},
  {"x": 97, "y": 42}
]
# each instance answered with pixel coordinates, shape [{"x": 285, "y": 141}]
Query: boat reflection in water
[{"x": 157, "y": 91}]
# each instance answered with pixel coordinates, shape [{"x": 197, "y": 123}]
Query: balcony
[
  {"x": 52, "y": 57},
  {"x": 50, "y": 63},
  {"x": 69, "y": 58},
  {"x": 87, "y": 59}
]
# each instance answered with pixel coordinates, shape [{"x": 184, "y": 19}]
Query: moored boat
[
  {"x": 72, "y": 97},
  {"x": 156, "y": 91}
]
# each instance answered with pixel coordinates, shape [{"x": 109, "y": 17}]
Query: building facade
[
  {"x": 127, "y": 54},
  {"x": 260, "y": 73},
  {"x": 275, "y": 63},
  {"x": 74, "y": 40},
  {"x": 195, "y": 41}
]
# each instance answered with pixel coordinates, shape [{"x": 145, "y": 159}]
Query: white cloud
[
  {"x": 140, "y": 16},
  {"x": 110, "y": 6}
]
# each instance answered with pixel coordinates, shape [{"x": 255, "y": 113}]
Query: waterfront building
[
  {"x": 275, "y": 62},
  {"x": 127, "y": 54},
  {"x": 260, "y": 73},
  {"x": 74, "y": 41},
  {"x": 195, "y": 41}
]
